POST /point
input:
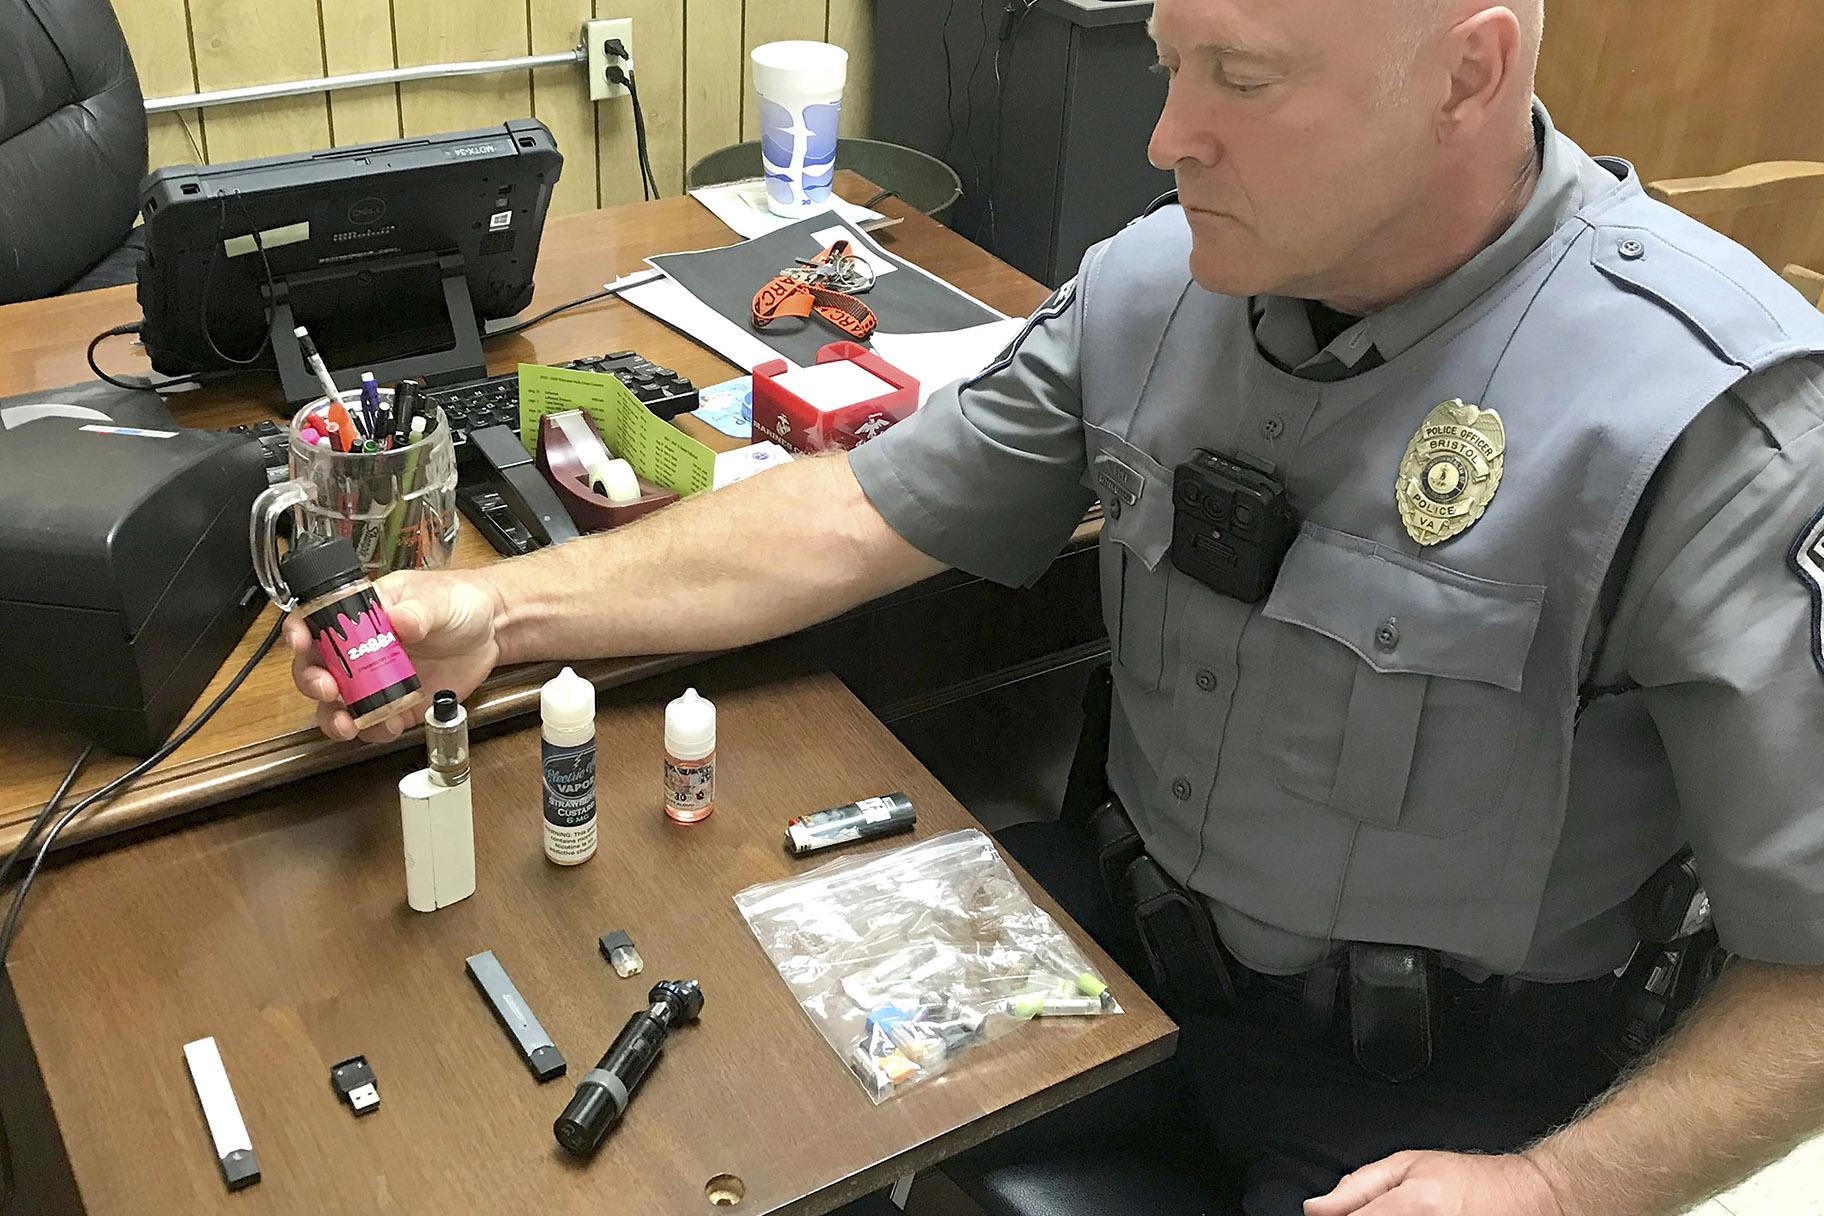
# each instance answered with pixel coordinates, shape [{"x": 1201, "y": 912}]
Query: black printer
[{"x": 125, "y": 575}]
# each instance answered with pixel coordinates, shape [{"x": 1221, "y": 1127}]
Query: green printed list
[{"x": 658, "y": 451}]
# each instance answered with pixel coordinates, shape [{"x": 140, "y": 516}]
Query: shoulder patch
[
  {"x": 1050, "y": 310},
  {"x": 1807, "y": 561}
]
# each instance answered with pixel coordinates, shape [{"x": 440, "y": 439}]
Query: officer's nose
[{"x": 1183, "y": 133}]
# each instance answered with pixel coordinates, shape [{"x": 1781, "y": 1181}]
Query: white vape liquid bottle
[
  {"x": 690, "y": 758},
  {"x": 567, "y": 708}
]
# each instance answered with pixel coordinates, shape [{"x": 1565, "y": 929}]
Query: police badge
[
  {"x": 1450, "y": 471},
  {"x": 1807, "y": 561}
]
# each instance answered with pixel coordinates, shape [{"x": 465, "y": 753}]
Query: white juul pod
[{"x": 435, "y": 811}]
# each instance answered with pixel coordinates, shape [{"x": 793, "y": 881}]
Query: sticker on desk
[
  {"x": 499, "y": 220},
  {"x": 141, "y": 432},
  {"x": 658, "y": 451},
  {"x": 270, "y": 239}
]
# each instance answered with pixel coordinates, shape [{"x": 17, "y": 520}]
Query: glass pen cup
[{"x": 396, "y": 507}]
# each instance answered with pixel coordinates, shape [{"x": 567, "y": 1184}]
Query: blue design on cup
[{"x": 798, "y": 152}]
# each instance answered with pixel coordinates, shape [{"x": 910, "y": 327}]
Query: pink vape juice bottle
[{"x": 354, "y": 637}]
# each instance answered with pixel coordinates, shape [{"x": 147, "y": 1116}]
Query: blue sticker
[{"x": 729, "y": 407}]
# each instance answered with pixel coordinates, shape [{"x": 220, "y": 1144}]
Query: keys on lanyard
[{"x": 826, "y": 285}]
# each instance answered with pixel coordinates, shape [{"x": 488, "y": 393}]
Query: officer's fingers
[
  {"x": 402, "y": 593},
  {"x": 1360, "y": 1189},
  {"x": 384, "y": 732},
  {"x": 307, "y": 673},
  {"x": 1404, "y": 1200},
  {"x": 336, "y": 722},
  {"x": 297, "y": 636}
]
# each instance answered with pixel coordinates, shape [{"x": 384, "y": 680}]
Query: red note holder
[
  {"x": 563, "y": 466},
  {"x": 782, "y": 415}
]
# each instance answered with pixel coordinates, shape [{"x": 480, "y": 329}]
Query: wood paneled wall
[
  {"x": 690, "y": 61},
  {"x": 1687, "y": 88}
]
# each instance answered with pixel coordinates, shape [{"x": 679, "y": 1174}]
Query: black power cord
[
  {"x": 616, "y": 73},
  {"x": 529, "y": 322},
  {"x": 11, "y": 928},
  {"x": 1012, "y": 14}
]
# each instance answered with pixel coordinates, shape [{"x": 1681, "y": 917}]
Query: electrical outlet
[{"x": 595, "y": 37}]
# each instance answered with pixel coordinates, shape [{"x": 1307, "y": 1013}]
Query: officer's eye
[
  {"x": 1163, "y": 69},
  {"x": 1245, "y": 89}
]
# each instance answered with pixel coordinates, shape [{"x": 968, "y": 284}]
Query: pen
[
  {"x": 314, "y": 361},
  {"x": 334, "y": 436},
  {"x": 370, "y": 402}
]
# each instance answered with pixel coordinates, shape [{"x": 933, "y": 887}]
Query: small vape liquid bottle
[
  {"x": 354, "y": 637},
  {"x": 567, "y": 707},
  {"x": 690, "y": 758}
]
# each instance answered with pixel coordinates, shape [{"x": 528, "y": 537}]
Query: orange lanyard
[{"x": 801, "y": 291}]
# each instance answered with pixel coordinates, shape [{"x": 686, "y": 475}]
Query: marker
[
  {"x": 310, "y": 435},
  {"x": 314, "y": 362},
  {"x": 405, "y": 410}
]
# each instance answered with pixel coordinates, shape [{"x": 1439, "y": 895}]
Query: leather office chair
[
  {"x": 1775, "y": 208},
  {"x": 72, "y": 148}
]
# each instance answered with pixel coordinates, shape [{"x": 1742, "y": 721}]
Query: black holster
[{"x": 1393, "y": 1008}]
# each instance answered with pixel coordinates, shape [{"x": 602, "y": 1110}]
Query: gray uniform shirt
[{"x": 1708, "y": 618}]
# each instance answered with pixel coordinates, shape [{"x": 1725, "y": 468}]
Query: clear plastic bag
[{"x": 907, "y": 959}]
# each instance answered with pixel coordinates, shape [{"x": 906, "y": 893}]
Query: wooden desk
[
  {"x": 282, "y": 931},
  {"x": 265, "y": 735}
]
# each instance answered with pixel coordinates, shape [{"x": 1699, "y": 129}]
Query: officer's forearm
[
  {"x": 783, "y": 550},
  {"x": 1738, "y": 1086}
]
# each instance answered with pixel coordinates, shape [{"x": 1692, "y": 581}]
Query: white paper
[
  {"x": 743, "y": 463},
  {"x": 742, "y": 206},
  {"x": 831, "y": 386},
  {"x": 942, "y": 358},
  {"x": 665, "y": 299},
  {"x": 933, "y": 359}
]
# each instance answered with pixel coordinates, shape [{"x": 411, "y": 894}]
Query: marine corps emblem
[{"x": 1450, "y": 471}]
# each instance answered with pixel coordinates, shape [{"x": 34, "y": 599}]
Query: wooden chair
[{"x": 1775, "y": 208}]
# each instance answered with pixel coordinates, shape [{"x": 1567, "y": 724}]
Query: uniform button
[
  {"x": 1273, "y": 427},
  {"x": 1388, "y": 635},
  {"x": 1633, "y": 250},
  {"x": 1181, "y": 790},
  {"x": 1206, "y": 680}
]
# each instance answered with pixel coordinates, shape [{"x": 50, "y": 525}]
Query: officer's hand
[
  {"x": 447, "y": 623},
  {"x": 1441, "y": 1184}
]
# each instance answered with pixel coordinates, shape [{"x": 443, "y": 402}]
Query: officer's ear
[{"x": 1487, "y": 57}]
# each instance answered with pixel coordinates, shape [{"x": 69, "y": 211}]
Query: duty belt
[{"x": 1392, "y": 1000}]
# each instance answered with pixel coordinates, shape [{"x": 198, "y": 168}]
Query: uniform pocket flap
[
  {"x": 1136, "y": 494},
  {"x": 1400, "y": 614}
]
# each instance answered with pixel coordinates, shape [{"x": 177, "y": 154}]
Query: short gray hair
[{"x": 1416, "y": 21}]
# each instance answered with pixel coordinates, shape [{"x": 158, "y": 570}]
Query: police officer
[{"x": 1463, "y": 562}]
